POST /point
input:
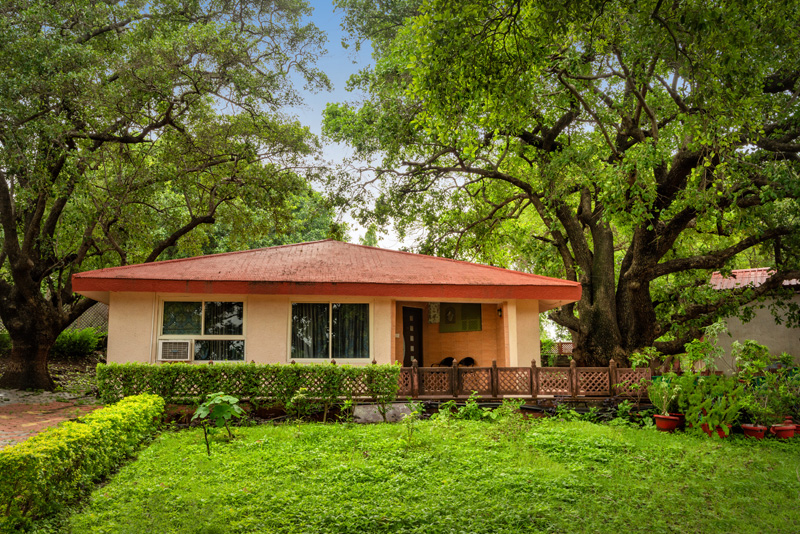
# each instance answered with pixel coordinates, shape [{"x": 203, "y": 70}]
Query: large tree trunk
[
  {"x": 33, "y": 325},
  {"x": 27, "y": 366}
]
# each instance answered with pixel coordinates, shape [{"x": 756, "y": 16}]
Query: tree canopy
[
  {"x": 126, "y": 126},
  {"x": 634, "y": 146}
]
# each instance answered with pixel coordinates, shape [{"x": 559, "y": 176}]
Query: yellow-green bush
[{"x": 60, "y": 465}]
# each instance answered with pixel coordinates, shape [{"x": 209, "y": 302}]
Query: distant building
[{"x": 762, "y": 328}]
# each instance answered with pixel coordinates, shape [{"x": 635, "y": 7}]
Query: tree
[
  {"x": 126, "y": 126},
  {"x": 632, "y": 146}
]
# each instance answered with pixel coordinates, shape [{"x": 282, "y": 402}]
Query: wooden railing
[{"x": 530, "y": 381}]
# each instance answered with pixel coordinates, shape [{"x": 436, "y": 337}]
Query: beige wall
[
  {"x": 528, "y": 340},
  {"x": 778, "y": 338},
  {"x": 131, "y": 322},
  {"x": 135, "y": 324},
  {"x": 513, "y": 339}
]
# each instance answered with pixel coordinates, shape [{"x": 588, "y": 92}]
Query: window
[
  {"x": 216, "y": 328},
  {"x": 457, "y": 317},
  {"x": 329, "y": 330}
]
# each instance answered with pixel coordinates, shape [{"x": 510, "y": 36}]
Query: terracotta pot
[
  {"x": 788, "y": 422},
  {"x": 666, "y": 423},
  {"x": 782, "y": 431},
  {"x": 754, "y": 431},
  {"x": 682, "y": 419}
]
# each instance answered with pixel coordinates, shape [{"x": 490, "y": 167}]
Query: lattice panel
[
  {"x": 565, "y": 347},
  {"x": 479, "y": 380},
  {"x": 593, "y": 381},
  {"x": 632, "y": 382},
  {"x": 554, "y": 381},
  {"x": 433, "y": 381},
  {"x": 357, "y": 387},
  {"x": 267, "y": 386},
  {"x": 405, "y": 383},
  {"x": 513, "y": 381}
]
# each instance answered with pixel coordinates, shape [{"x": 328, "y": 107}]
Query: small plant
[
  {"x": 625, "y": 410},
  {"x": 592, "y": 416},
  {"x": 565, "y": 413},
  {"x": 301, "y": 405},
  {"x": 471, "y": 411},
  {"x": 706, "y": 350},
  {"x": 410, "y": 421},
  {"x": 663, "y": 393},
  {"x": 218, "y": 409},
  {"x": 346, "y": 411},
  {"x": 446, "y": 412},
  {"x": 751, "y": 358},
  {"x": 645, "y": 356},
  {"x": 713, "y": 400}
]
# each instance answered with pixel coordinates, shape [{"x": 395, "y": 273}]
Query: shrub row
[
  {"x": 69, "y": 345},
  {"x": 40, "y": 476},
  {"x": 272, "y": 384}
]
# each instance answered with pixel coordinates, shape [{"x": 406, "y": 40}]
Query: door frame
[{"x": 405, "y": 332}]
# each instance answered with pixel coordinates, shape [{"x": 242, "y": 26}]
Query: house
[
  {"x": 762, "y": 328},
  {"x": 324, "y": 300}
]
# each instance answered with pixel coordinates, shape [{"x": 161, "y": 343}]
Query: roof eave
[{"x": 566, "y": 293}]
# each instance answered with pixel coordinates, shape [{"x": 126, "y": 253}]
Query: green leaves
[
  {"x": 622, "y": 145},
  {"x": 219, "y": 408},
  {"x": 58, "y": 466}
]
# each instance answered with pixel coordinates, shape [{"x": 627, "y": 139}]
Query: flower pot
[
  {"x": 782, "y": 431},
  {"x": 682, "y": 420},
  {"x": 754, "y": 431},
  {"x": 666, "y": 423},
  {"x": 788, "y": 422}
]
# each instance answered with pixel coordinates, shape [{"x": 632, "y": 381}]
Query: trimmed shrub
[
  {"x": 40, "y": 476},
  {"x": 76, "y": 344},
  {"x": 275, "y": 384}
]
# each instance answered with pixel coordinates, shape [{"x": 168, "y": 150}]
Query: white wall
[{"x": 763, "y": 329}]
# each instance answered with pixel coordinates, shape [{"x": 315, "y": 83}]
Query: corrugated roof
[
  {"x": 326, "y": 267},
  {"x": 745, "y": 277}
]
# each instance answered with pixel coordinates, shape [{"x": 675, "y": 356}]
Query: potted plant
[
  {"x": 759, "y": 403},
  {"x": 713, "y": 403},
  {"x": 704, "y": 353},
  {"x": 662, "y": 394}
]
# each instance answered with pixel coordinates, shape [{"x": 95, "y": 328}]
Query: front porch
[{"x": 472, "y": 334}]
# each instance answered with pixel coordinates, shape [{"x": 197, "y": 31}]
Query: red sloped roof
[
  {"x": 327, "y": 268},
  {"x": 745, "y": 277}
]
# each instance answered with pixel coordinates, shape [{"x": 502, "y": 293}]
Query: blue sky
[{"x": 339, "y": 64}]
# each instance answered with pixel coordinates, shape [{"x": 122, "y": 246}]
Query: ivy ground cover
[{"x": 450, "y": 477}]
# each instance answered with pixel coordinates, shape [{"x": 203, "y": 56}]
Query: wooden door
[{"x": 412, "y": 335}]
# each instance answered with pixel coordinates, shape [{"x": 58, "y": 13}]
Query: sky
[{"x": 339, "y": 64}]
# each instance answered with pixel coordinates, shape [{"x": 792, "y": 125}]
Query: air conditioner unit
[{"x": 175, "y": 351}]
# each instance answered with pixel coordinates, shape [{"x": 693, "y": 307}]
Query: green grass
[{"x": 454, "y": 477}]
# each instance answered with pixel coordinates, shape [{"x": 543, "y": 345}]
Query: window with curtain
[
  {"x": 330, "y": 330},
  {"x": 217, "y": 328}
]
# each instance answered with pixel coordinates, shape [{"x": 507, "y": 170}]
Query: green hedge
[
  {"x": 274, "y": 384},
  {"x": 50, "y": 470},
  {"x": 76, "y": 344}
]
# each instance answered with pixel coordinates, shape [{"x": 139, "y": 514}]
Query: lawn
[{"x": 450, "y": 477}]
